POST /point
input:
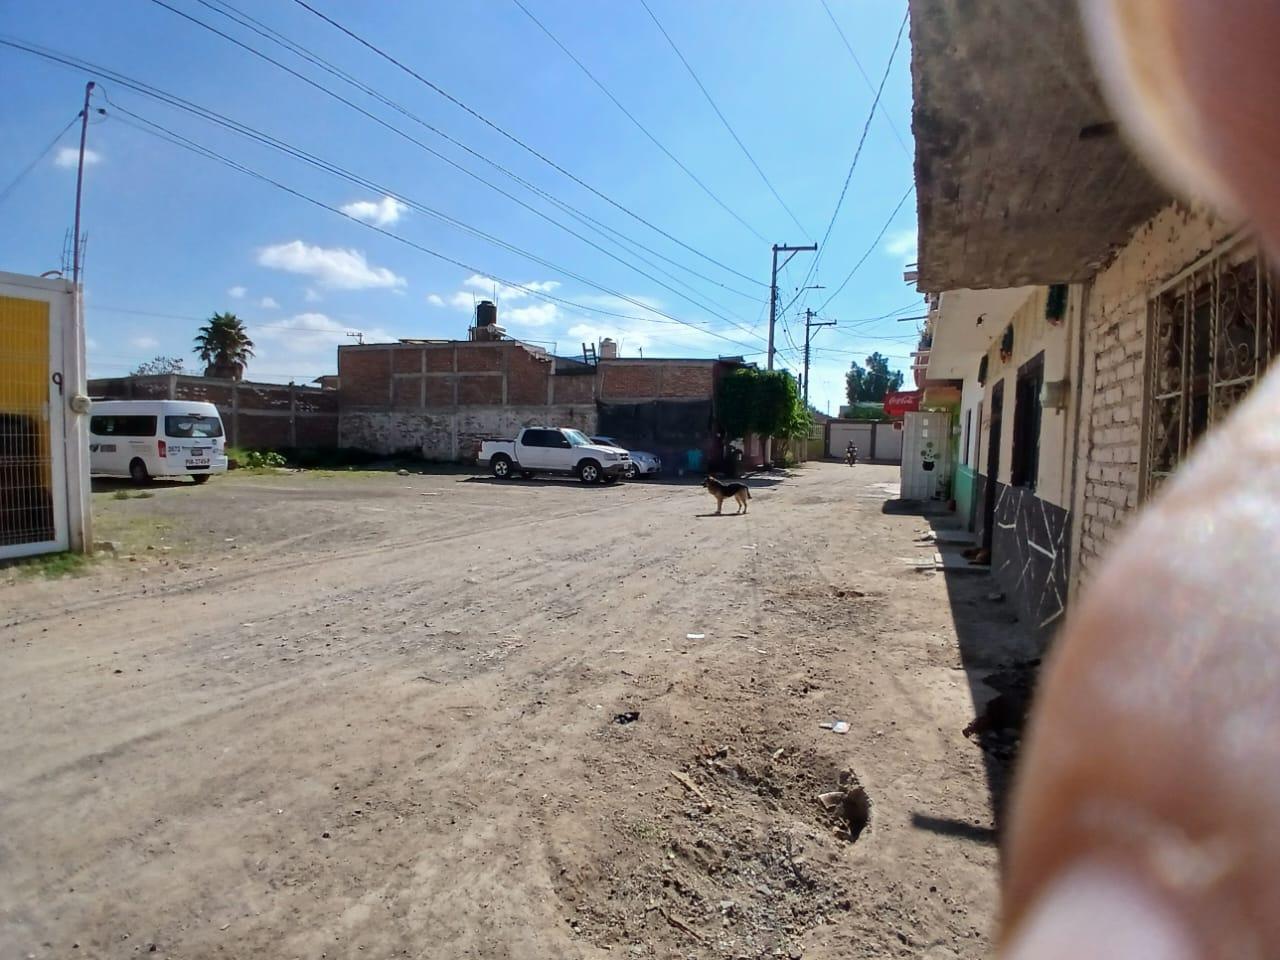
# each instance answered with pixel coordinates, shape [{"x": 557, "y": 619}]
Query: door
[
  {"x": 33, "y": 504},
  {"x": 993, "y": 464}
]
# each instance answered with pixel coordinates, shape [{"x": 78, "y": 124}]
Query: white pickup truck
[{"x": 554, "y": 450}]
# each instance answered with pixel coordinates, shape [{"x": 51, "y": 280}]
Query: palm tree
[{"x": 223, "y": 344}]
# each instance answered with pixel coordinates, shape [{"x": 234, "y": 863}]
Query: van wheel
[
  {"x": 501, "y": 466},
  {"x": 138, "y": 472},
  {"x": 199, "y": 478},
  {"x": 589, "y": 471}
]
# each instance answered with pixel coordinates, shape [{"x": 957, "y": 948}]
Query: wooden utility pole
[
  {"x": 84, "y": 135},
  {"x": 810, "y": 326}
]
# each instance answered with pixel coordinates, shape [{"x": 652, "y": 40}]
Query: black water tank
[{"x": 486, "y": 313}]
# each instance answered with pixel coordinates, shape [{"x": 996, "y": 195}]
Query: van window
[
  {"x": 122, "y": 426},
  {"x": 192, "y": 425}
]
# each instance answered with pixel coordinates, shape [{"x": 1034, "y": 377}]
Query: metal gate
[{"x": 33, "y": 500}]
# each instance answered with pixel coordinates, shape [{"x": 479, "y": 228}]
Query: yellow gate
[{"x": 33, "y": 504}]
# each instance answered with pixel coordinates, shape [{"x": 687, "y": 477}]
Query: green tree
[
  {"x": 872, "y": 381},
  {"x": 737, "y": 400},
  {"x": 224, "y": 345},
  {"x": 763, "y": 402},
  {"x": 157, "y": 365}
]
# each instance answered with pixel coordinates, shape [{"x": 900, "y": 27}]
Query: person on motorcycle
[{"x": 851, "y": 454}]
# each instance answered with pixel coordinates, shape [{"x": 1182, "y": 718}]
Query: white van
[{"x": 142, "y": 439}]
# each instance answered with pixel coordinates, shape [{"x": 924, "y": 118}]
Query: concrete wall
[
  {"x": 448, "y": 435},
  {"x": 1113, "y": 374},
  {"x": 254, "y": 415}
]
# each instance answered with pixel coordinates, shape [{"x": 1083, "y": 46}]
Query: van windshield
[{"x": 192, "y": 425}]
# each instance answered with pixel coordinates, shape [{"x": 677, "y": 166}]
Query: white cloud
[
  {"x": 68, "y": 158},
  {"x": 488, "y": 287},
  {"x": 330, "y": 266},
  {"x": 144, "y": 343},
  {"x": 901, "y": 244},
  {"x": 236, "y": 293},
  {"x": 311, "y": 336},
  {"x": 534, "y": 315},
  {"x": 311, "y": 296},
  {"x": 435, "y": 299},
  {"x": 463, "y": 301},
  {"x": 268, "y": 303},
  {"x": 382, "y": 213},
  {"x": 90, "y": 343}
]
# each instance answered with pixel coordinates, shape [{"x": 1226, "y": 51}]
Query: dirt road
[{"x": 375, "y": 716}]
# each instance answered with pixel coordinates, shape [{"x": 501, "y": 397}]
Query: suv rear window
[{"x": 192, "y": 425}]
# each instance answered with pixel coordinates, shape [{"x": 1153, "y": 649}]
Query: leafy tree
[
  {"x": 158, "y": 365},
  {"x": 872, "y": 381},
  {"x": 763, "y": 402},
  {"x": 224, "y": 345}
]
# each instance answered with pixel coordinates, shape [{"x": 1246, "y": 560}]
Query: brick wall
[
  {"x": 1113, "y": 382},
  {"x": 254, "y": 415},
  {"x": 657, "y": 379}
]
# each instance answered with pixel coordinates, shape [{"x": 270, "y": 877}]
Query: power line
[
  {"x": 164, "y": 133},
  {"x": 723, "y": 119},
  {"x": 222, "y": 8},
  {"x": 870, "y": 249},
  {"x": 630, "y": 116},
  {"x": 12, "y": 185},
  {"x": 870, "y": 86},
  {"x": 275, "y": 143},
  {"x": 522, "y": 144},
  {"x": 857, "y": 153},
  {"x": 399, "y": 132}
]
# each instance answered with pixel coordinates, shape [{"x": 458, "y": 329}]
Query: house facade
[{"x": 1096, "y": 327}]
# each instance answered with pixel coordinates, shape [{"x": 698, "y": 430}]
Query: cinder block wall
[{"x": 1114, "y": 381}]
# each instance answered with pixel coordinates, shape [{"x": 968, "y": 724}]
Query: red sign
[{"x": 908, "y": 401}]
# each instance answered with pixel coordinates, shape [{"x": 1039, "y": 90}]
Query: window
[
  {"x": 193, "y": 425},
  {"x": 122, "y": 426},
  {"x": 1211, "y": 334},
  {"x": 537, "y": 438},
  {"x": 1025, "y": 465}
]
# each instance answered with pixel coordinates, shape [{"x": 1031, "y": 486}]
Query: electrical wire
[
  {"x": 733, "y": 133},
  {"x": 415, "y": 140},
  {"x": 870, "y": 86},
  {"x": 22, "y": 175},
  {"x": 275, "y": 143},
  {"x": 224, "y": 9},
  {"x": 870, "y": 249},
  {"x": 522, "y": 144},
  {"x": 176, "y": 139},
  {"x": 642, "y": 128},
  {"x": 857, "y": 153}
]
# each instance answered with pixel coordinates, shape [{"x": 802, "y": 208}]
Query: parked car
[
  {"x": 642, "y": 463},
  {"x": 142, "y": 439},
  {"x": 555, "y": 450}
]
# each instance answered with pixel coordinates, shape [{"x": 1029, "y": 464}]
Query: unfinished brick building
[{"x": 439, "y": 399}]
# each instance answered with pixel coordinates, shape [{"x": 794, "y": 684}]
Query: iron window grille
[{"x": 1212, "y": 332}]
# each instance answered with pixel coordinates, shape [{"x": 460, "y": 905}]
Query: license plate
[{"x": 197, "y": 461}]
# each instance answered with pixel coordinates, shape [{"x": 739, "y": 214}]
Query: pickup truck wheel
[
  {"x": 500, "y": 465},
  {"x": 589, "y": 471}
]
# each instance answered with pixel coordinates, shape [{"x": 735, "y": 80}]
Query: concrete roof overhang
[
  {"x": 959, "y": 339},
  {"x": 1021, "y": 176}
]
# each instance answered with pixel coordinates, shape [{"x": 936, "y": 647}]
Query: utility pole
[
  {"x": 84, "y": 135},
  {"x": 773, "y": 316},
  {"x": 773, "y": 287},
  {"x": 810, "y": 326}
]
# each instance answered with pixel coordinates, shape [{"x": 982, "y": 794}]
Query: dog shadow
[{"x": 701, "y": 516}]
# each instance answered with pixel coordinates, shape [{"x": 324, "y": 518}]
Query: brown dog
[{"x": 722, "y": 490}]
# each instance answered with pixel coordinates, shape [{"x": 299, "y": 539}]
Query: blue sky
[{"x": 173, "y": 236}]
